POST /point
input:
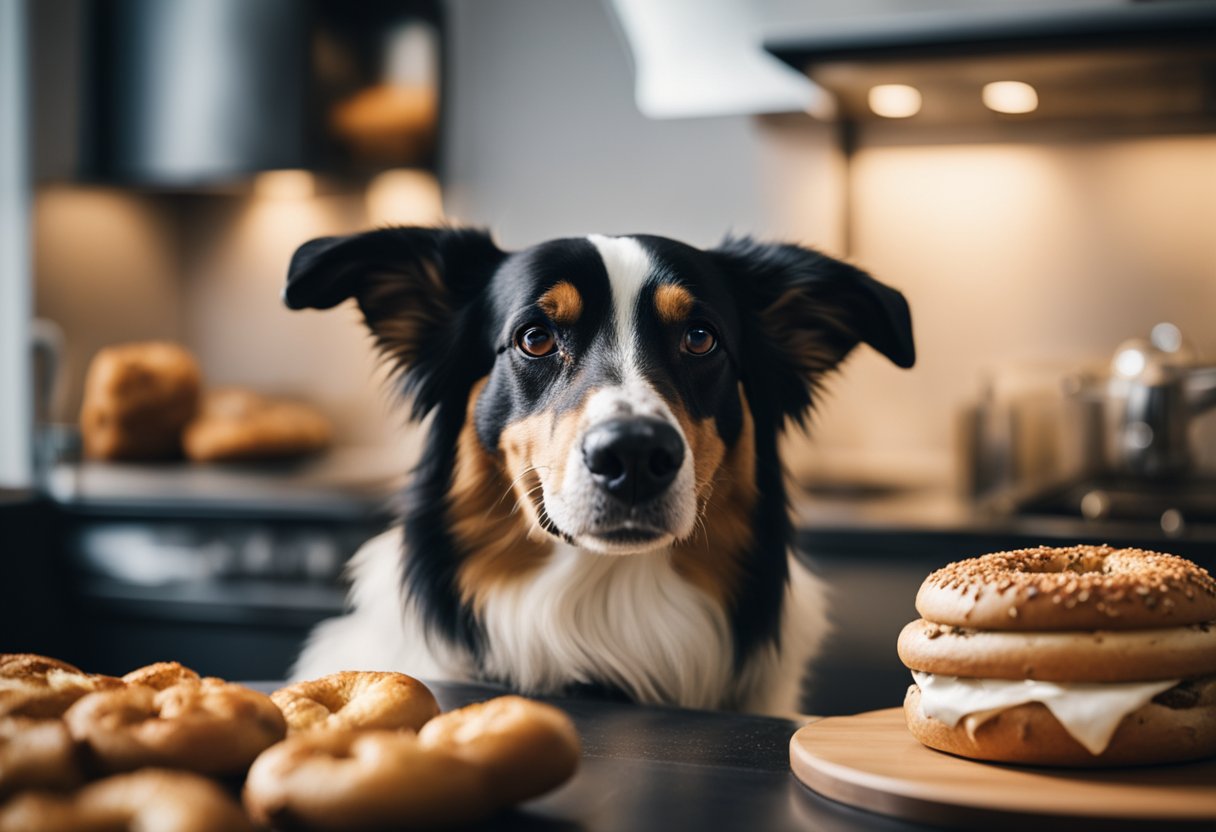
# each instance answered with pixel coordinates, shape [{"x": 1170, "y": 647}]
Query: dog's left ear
[
  {"x": 809, "y": 311},
  {"x": 420, "y": 291}
]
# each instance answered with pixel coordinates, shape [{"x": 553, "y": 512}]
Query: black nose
[{"x": 633, "y": 459}]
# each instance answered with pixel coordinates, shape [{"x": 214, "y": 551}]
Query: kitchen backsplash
[{"x": 1023, "y": 256}]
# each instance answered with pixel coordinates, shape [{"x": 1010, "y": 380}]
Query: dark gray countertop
[
  {"x": 664, "y": 769},
  {"x": 935, "y": 522}
]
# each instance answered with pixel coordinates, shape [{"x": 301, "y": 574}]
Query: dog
[{"x": 600, "y": 503}]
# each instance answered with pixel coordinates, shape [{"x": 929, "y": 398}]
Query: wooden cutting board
[{"x": 870, "y": 761}]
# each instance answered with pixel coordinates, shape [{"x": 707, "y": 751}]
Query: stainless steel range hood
[
  {"x": 193, "y": 91},
  {"x": 1141, "y": 66},
  {"x": 185, "y": 93}
]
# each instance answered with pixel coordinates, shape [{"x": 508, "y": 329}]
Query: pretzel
[
  {"x": 357, "y": 700},
  {"x": 462, "y": 767},
  {"x": 203, "y": 725},
  {"x": 41, "y": 687},
  {"x": 147, "y": 801}
]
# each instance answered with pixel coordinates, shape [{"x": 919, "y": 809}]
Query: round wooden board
[{"x": 870, "y": 761}]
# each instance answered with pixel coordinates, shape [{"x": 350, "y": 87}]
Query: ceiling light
[
  {"x": 1010, "y": 97},
  {"x": 285, "y": 184},
  {"x": 894, "y": 100},
  {"x": 404, "y": 197}
]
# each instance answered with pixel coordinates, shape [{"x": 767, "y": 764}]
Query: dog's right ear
[{"x": 420, "y": 292}]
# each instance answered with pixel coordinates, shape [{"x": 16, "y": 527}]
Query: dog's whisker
[
  {"x": 511, "y": 488},
  {"x": 519, "y": 503}
]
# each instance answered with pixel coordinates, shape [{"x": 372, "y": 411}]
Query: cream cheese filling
[{"x": 1089, "y": 711}]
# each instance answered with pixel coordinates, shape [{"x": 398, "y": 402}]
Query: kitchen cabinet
[
  {"x": 35, "y": 591},
  {"x": 1099, "y": 69},
  {"x": 224, "y": 568}
]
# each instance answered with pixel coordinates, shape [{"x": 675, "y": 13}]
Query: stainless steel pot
[{"x": 1155, "y": 388}]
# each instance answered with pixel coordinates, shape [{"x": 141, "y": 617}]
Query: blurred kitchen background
[{"x": 1039, "y": 178}]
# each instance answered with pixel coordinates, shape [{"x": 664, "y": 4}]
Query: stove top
[{"x": 1173, "y": 504}]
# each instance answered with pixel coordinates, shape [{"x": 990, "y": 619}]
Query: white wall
[
  {"x": 107, "y": 271},
  {"x": 544, "y": 140},
  {"x": 235, "y": 266}
]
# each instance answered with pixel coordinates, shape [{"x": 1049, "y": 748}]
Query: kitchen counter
[
  {"x": 933, "y": 521},
  {"x": 662, "y": 769}
]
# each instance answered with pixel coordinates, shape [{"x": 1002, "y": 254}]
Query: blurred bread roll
[
  {"x": 137, "y": 399},
  {"x": 238, "y": 424}
]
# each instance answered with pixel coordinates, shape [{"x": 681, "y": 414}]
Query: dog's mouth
[
  {"x": 625, "y": 540},
  {"x": 630, "y": 535}
]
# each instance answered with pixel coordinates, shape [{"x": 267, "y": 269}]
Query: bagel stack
[{"x": 1078, "y": 656}]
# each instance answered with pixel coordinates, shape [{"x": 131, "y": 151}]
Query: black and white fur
[{"x": 593, "y": 606}]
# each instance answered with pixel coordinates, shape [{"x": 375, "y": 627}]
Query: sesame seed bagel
[
  {"x": 1176, "y": 726},
  {"x": 1061, "y": 656},
  {"x": 1072, "y": 588}
]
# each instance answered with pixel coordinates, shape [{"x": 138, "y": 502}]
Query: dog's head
[{"x": 615, "y": 380}]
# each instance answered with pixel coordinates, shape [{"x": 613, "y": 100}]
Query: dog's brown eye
[
  {"x": 536, "y": 341},
  {"x": 699, "y": 340}
]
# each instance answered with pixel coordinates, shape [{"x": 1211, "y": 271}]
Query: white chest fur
[{"x": 630, "y": 621}]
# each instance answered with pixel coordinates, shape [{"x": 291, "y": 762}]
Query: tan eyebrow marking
[
  {"x": 562, "y": 303},
  {"x": 673, "y": 303}
]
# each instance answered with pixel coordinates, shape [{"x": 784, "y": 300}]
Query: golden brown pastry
[
  {"x": 203, "y": 725},
  {"x": 36, "y": 754},
  {"x": 1161, "y": 731},
  {"x": 1077, "y": 656},
  {"x": 357, "y": 699},
  {"x": 1070, "y": 588},
  {"x": 526, "y": 747},
  {"x": 461, "y": 767},
  {"x": 41, "y": 687},
  {"x": 137, "y": 399},
  {"x": 236, "y": 424},
  {"x": 343, "y": 779},
  {"x": 161, "y": 675},
  {"x": 151, "y": 800}
]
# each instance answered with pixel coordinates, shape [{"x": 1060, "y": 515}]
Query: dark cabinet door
[{"x": 35, "y": 615}]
